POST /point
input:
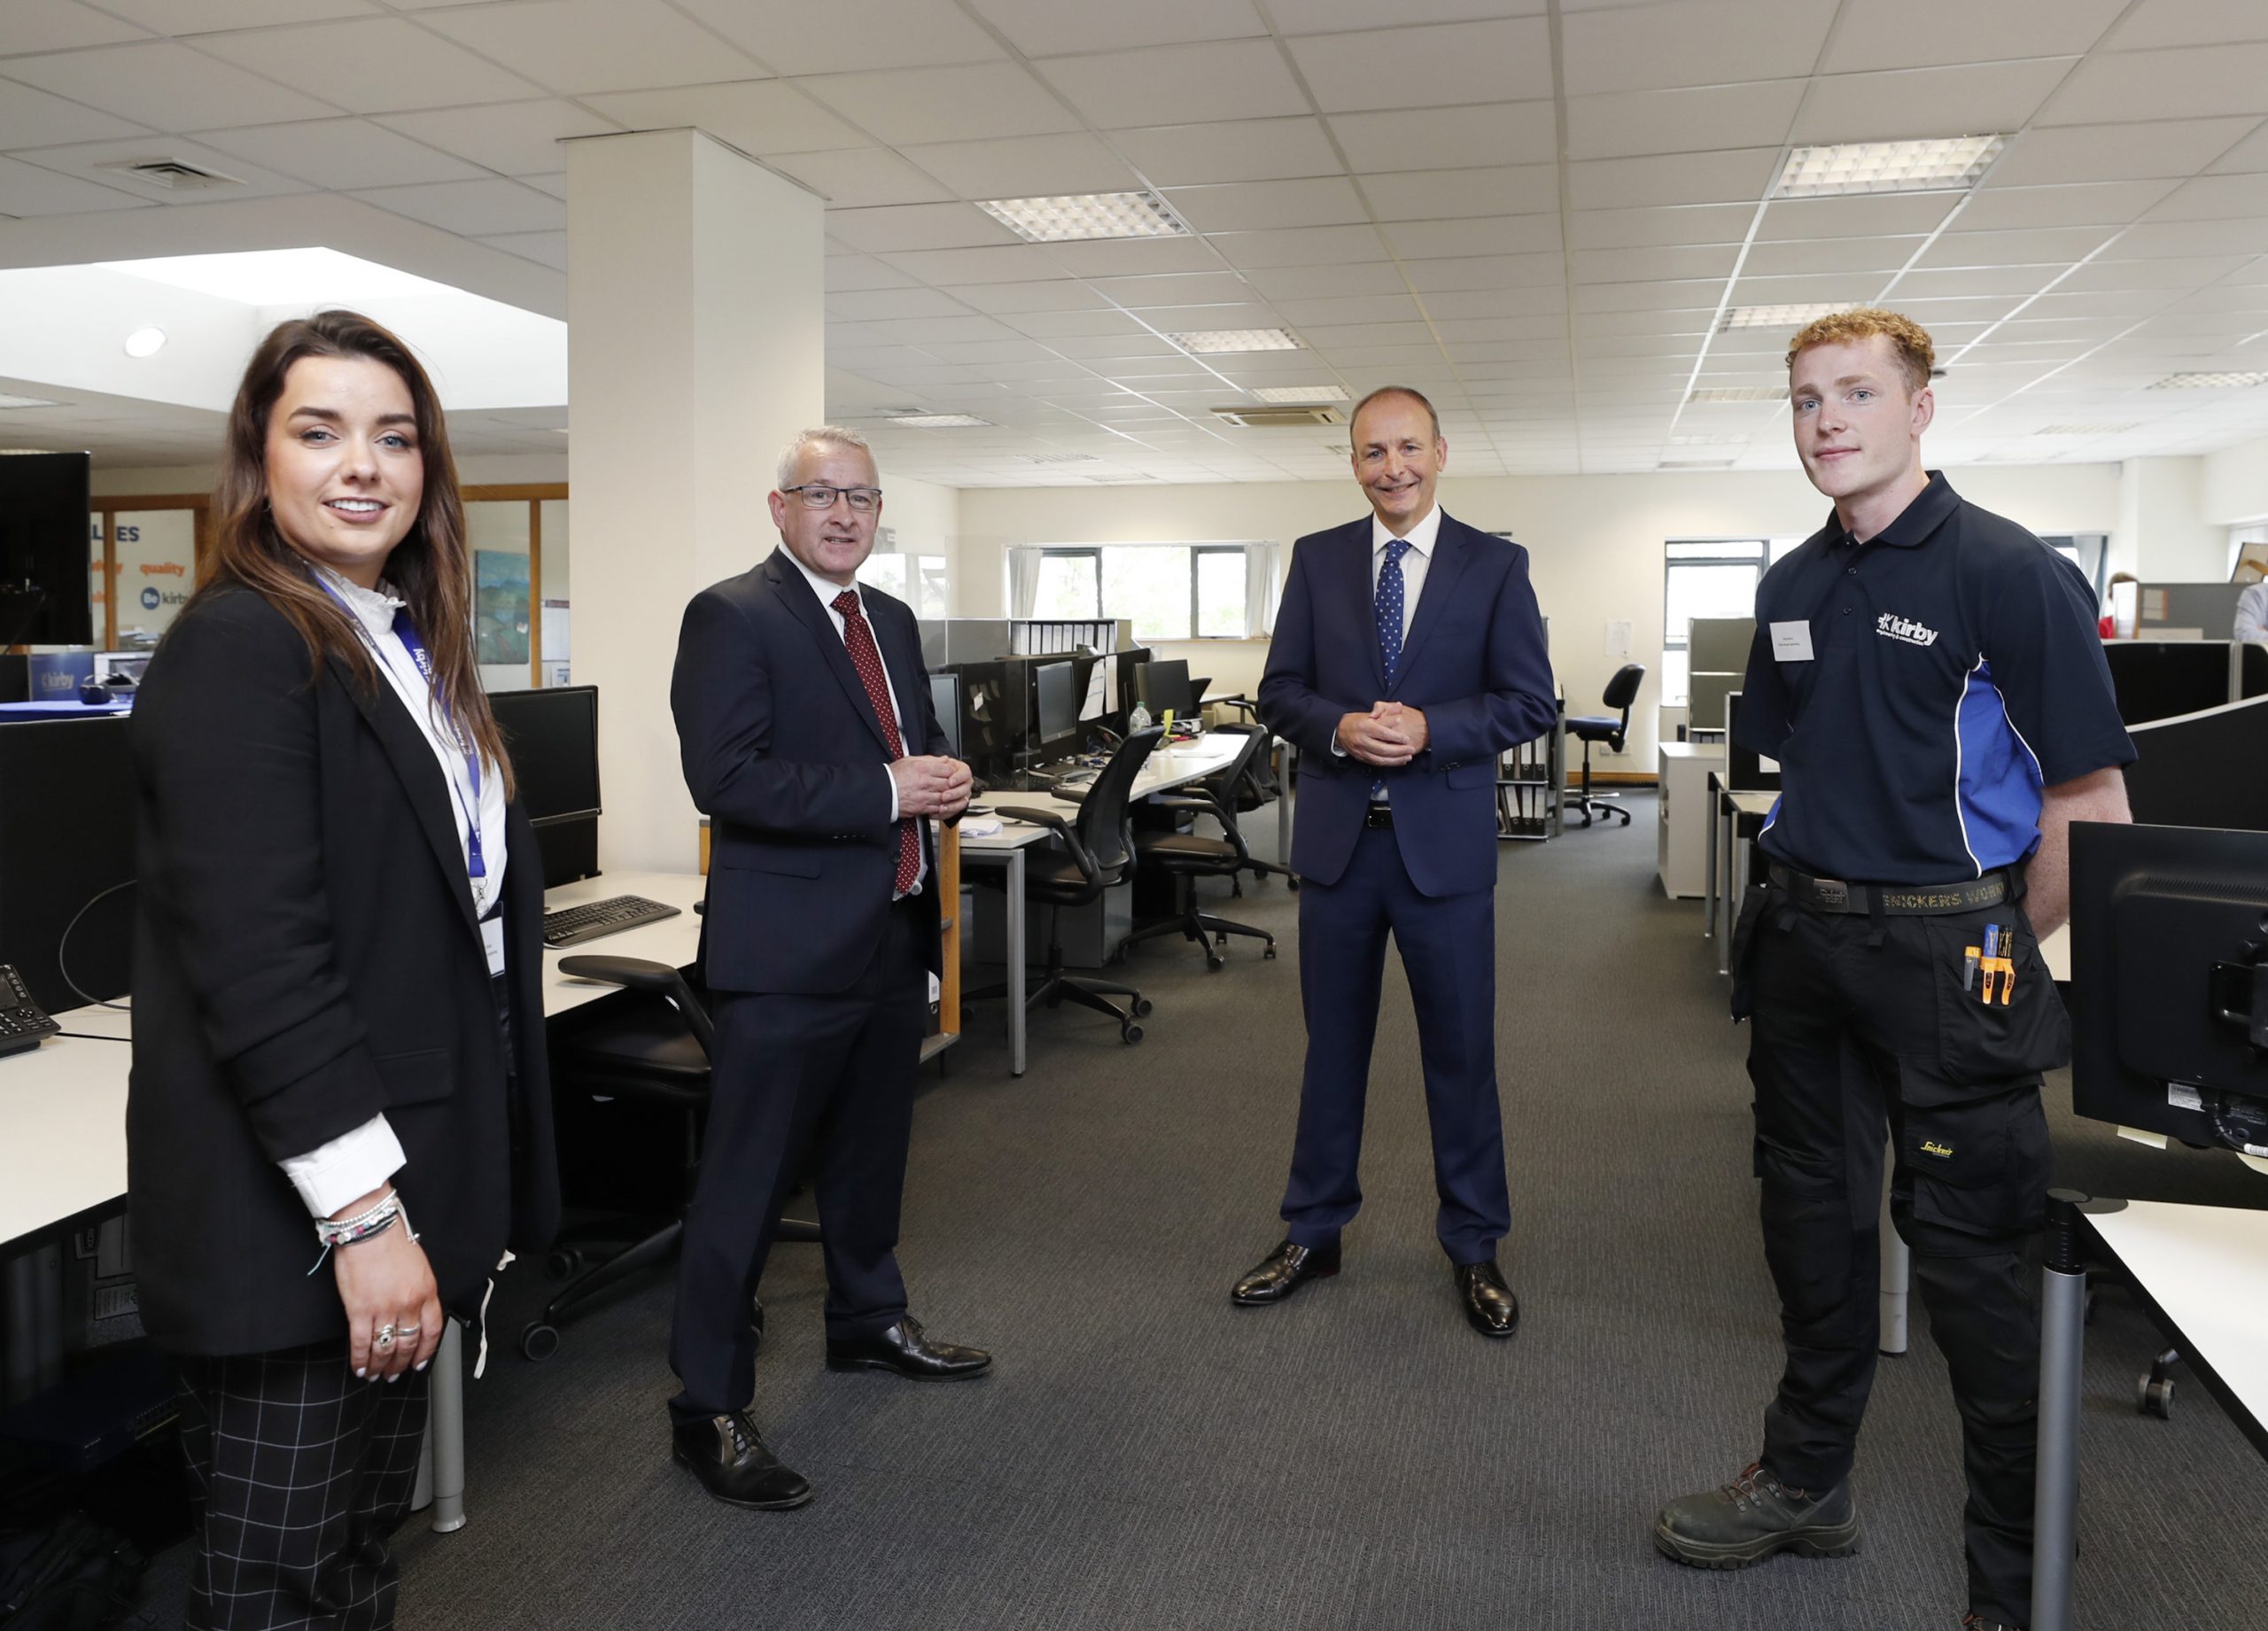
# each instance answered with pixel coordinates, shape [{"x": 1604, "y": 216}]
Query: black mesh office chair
[
  {"x": 1187, "y": 856},
  {"x": 1254, "y": 787},
  {"x": 1098, "y": 851},
  {"x": 654, "y": 1049},
  {"x": 1621, "y": 691}
]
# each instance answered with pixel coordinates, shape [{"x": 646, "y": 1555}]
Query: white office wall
[
  {"x": 2234, "y": 484},
  {"x": 2163, "y": 533},
  {"x": 1595, "y": 544}
]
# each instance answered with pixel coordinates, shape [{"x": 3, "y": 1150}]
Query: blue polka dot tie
[{"x": 1386, "y": 605}]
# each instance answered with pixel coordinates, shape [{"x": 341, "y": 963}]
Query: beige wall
[
  {"x": 2234, "y": 484},
  {"x": 1595, "y": 544}
]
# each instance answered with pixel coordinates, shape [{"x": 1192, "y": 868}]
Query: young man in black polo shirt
[{"x": 1929, "y": 676}]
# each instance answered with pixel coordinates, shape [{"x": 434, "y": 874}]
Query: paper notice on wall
[
  {"x": 2154, "y": 605},
  {"x": 1618, "y": 641}
]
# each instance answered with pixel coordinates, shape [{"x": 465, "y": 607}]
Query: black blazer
[
  {"x": 784, "y": 754},
  {"x": 305, "y": 957}
]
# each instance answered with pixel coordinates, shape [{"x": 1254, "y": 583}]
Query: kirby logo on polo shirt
[{"x": 1892, "y": 626}]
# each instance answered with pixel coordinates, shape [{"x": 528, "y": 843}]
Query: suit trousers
[
  {"x": 1857, "y": 1027},
  {"x": 298, "y": 1470},
  {"x": 1448, "y": 950},
  {"x": 832, "y": 1074}
]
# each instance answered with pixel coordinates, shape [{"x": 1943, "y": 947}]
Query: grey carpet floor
[{"x": 1145, "y": 1455}]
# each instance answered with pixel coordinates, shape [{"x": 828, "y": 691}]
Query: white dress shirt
[
  {"x": 827, "y": 590},
  {"x": 1414, "y": 560},
  {"x": 356, "y": 1163}
]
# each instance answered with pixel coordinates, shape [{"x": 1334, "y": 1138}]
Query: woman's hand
[{"x": 384, "y": 1280}]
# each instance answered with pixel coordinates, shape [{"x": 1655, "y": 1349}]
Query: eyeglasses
[{"x": 818, "y": 495}]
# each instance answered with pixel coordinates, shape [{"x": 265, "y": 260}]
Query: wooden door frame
[
  {"x": 535, "y": 494},
  {"x": 109, "y": 508}
]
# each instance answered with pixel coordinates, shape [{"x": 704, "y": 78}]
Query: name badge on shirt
[{"x": 1791, "y": 642}]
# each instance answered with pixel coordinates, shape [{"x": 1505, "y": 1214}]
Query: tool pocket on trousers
[
  {"x": 1998, "y": 1020},
  {"x": 1979, "y": 1168},
  {"x": 1743, "y": 955}
]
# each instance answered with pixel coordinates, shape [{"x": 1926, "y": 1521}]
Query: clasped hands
[
  {"x": 1389, "y": 736},
  {"x": 930, "y": 784}
]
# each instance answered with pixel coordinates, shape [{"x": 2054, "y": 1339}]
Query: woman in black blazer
[{"x": 339, "y": 1118}]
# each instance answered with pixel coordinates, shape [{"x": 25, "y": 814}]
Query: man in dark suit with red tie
[
  {"x": 1408, "y": 655},
  {"x": 807, "y": 735}
]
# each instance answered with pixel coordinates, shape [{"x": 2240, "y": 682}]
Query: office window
[
  {"x": 886, "y": 572},
  {"x": 1711, "y": 578},
  {"x": 1168, "y": 591},
  {"x": 919, "y": 580}
]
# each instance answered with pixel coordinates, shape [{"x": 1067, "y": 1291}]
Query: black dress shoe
[
  {"x": 903, "y": 1348},
  {"x": 1285, "y": 1270},
  {"x": 1489, "y": 1303},
  {"x": 729, "y": 1456}
]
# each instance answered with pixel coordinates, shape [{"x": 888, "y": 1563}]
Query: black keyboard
[{"x": 571, "y": 925}]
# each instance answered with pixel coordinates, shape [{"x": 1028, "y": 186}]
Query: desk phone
[{"x": 22, "y": 1023}]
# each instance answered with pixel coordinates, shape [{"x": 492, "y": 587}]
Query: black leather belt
[
  {"x": 1912, "y": 900},
  {"x": 1379, "y": 815}
]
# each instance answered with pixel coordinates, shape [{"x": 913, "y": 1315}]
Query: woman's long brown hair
[{"x": 430, "y": 568}]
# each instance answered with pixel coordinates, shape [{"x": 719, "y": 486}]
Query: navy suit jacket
[
  {"x": 1473, "y": 663},
  {"x": 784, "y": 755}
]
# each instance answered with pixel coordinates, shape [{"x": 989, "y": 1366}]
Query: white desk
[
  {"x": 1166, "y": 769},
  {"x": 675, "y": 940}
]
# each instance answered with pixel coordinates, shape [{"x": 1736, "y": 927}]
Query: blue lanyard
[{"x": 476, "y": 861}]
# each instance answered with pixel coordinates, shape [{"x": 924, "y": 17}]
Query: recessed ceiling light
[
  {"x": 1300, "y": 394},
  {"x": 1933, "y": 166},
  {"x": 1696, "y": 464},
  {"x": 1779, "y": 316},
  {"x": 938, "y": 422},
  {"x": 145, "y": 342},
  {"x": 279, "y": 276},
  {"x": 2208, "y": 382},
  {"x": 1211, "y": 341},
  {"x": 1738, "y": 394},
  {"x": 2084, "y": 430},
  {"x": 1708, "y": 441},
  {"x": 26, "y": 402},
  {"x": 1060, "y": 458},
  {"x": 1116, "y": 478},
  {"x": 1074, "y": 217}
]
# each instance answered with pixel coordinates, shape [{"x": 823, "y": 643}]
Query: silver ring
[
  {"x": 408, "y": 1330},
  {"x": 384, "y": 1338}
]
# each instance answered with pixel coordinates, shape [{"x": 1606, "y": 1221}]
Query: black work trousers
[{"x": 1862, "y": 1023}]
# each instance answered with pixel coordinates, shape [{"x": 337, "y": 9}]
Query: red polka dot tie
[{"x": 867, "y": 657}]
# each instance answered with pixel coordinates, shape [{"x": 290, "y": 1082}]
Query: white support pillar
[{"x": 696, "y": 349}]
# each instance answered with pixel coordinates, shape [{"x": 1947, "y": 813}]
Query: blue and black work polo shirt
[{"x": 1919, "y": 689}]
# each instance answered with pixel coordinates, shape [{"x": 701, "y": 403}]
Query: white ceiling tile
[
  {"x": 845, "y": 273},
  {"x": 1249, "y": 150},
  {"x": 1026, "y": 166},
  {"x": 84, "y": 160},
  {"x": 1108, "y": 346},
  {"x": 180, "y": 17},
  {"x": 512, "y": 138},
  {"x": 2190, "y": 22},
  {"x": 861, "y": 178},
  {"x": 56, "y": 26},
  {"x": 1070, "y": 325},
  {"x": 868, "y": 304},
  {"x": 1138, "y": 257},
  {"x": 1633, "y": 229},
  {"x": 1007, "y": 301},
  {"x": 1915, "y": 103},
  {"x": 2083, "y": 204},
  {"x": 30, "y": 117},
  {"x": 371, "y": 66},
  {"x": 1537, "y": 301},
  {"x": 1186, "y": 289},
  {"x": 845, "y": 35},
  {"x": 1178, "y": 84},
  {"x": 763, "y": 116},
  {"x": 989, "y": 354},
  {"x": 1693, "y": 43},
  {"x": 1338, "y": 281},
  {"x": 2040, "y": 246},
  {"x": 2167, "y": 273},
  {"x": 2246, "y": 236},
  {"x": 1914, "y": 34},
  {"x": 1253, "y": 206},
  {"x": 1675, "y": 260},
  {"x": 1499, "y": 235},
  {"x": 547, "y": 248},
  {"x": 903, "y": 106},
  {"x": 2198, "y": 81},
  {"x": 2216, "y": 198},
  {"x": 1433, "y": 195},
  {"x": 1884, "y": 255},
  {"x": 1207, "y": 319},
  {"x": 2247, "y": 157},
  {"x": 1294, "y": 16},
  {"x": 1695, "y": 294},
  {"x": 2117, "y": 153},
  {"x": 31, "y": 189},
  {"x": 917, "y": 226},
  {"x": 342, "y": 154},
  {"x": 1006, "y": 264},
  {"x": 1806, "y": 288},
  {"x": 1884, "y": 215},
  {"x": 1354, "y": 308},
  {"x": 1424, "y": 138},
  {"x": 1051, "y": 29},
  {"x": 1633, "y": 123},
  {"x": 1737, "y": 174},
  {"x": 579, "y": 46},
  {"x": 1533, "y": 269},
  {"x": 1414, "y": 67},
  {"x": 1299, "y": 246},
  {"x": 1940, "y": 283},
  {"x": 169, "y": 86},
  {"x": 473, "y": 209}
]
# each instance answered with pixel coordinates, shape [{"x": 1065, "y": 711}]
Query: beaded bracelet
[{"x": 347, "y": 1230}]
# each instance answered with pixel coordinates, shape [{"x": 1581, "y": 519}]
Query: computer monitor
[
  {"x": 46, "y": 550},
  {"x": 1129, "y": 661},
  {"x": 552, "y": 736},
  {"x": 67, "y": 844},
  {"x": 995, "y": 714},
  {"x": 2162, "y": 679},
  {"x": 2170, "y": 981},
  {"x": 1056, "y": 706},
  {"x": 1164, "y": 685},
  {"x": 945, "y": 697}
]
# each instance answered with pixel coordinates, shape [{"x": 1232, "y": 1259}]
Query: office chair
[
  {"x": 1098, "y": 851},
  {"x": 655, "y": 1050},
  {"x": 1621, "y": 691},
  {"x": 1255, "y": 788},
  {"x": 1186, "y": 856}
]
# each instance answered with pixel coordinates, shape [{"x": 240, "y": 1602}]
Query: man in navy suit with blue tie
[{"x": 1408, "y": 655}]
